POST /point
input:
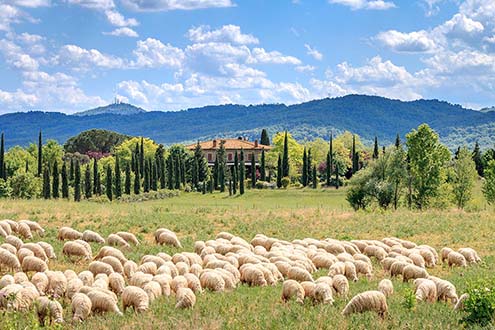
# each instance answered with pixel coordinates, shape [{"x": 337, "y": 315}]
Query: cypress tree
[
  {"x": 253, "y": 170},
  {"x": 285, "y": 157},
  {"x": 304, "y": 176},
  {"x": 309, "y": 168},
  {"x": 146, "y": 183},
  {"x": 137, "y": 183},
  {"x": 26, "y": 168},
  {"x": 109, "y": 185},
  {"x": 355, "y": 164},
  {"x": 279, "y": 172},
  {"x": 194, "y": 173},
  {"x": 88, "y": 192},
  {"x": 154, "y": 172},
  {"x": 477, "y": 158},
  {"x": 118, "y": 179},
  {"x": 337, "y": 183},
  {"x": 235, "y": 174},
  {"x": 2, "y": 158},
  {"x": 210, "y": 185},
  {"x": 137, "y": 160},
  {"x": 397, "y": 141},
  {"x": 216, "y": 172},
  {"x": 40, "y": 154},
  {"x": 265, "y": 140},
  {"x": 162, "y": 174},
  {"x": 56, "y": 181},
  {"x": 263, "y": 166},
  {"x": 96, "y": 178},
  {"x": 127, "y": 183},
  {"x": 177, "y": 173},
  {"x": 182, "y": 170},
  {"x": 202, "y": 163},
  {"x": 383, "y": 150},
  {"x": 204, "y": 187},
  {"x": 133, "y": 162},
  {"x": 65, "y": 182},
  {"x": 71, "y": 170},
  {"x": 242, "y": 170},
  {"x": 375, "y": 149},
  {"x": 315, "y": 181},
  {"x": 170, "y": 172},
  {"x": 77, "y": 182},
  {"x": 141, "y": 157},
  {"x": 230, "y": 187},
  {"x": 46, "y": 183},
  {"x": 327, "y": 169},
  {"x": 234, "y": 180},
  {"x": 330, "y": 161}
]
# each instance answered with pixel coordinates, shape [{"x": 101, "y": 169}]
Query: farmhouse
[{"x": 232, "y": 146}]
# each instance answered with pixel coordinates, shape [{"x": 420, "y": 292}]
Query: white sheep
[
  {"x": 128, "y": 237},
  {"x": 460, "y": 303},
  {"x": 140, "y": 279},
  {"x": 167, "y": 237},
  {"x": 323, "y": 293},
  {"x": 136, "y": 298},
  {"x": 212, "y": 280},
  {"x": 91, "y": 236},
  {"x": 33, "y": 226},
  {"x": 57, "y": 285},
  {"x": 130, "y": 267},
  {"x": 386, "y": 287},
  {"x": 115, "y": 240},
  {"x": 299, "y": 274},
  {"x": 153, "y": 290},
  {"x": 116, "y": 283},
  {"x": 49, "y": 308},
  {"x": 309, "y": 289},
  {"x": 6, "y": 280},
  {"x": 97, "y": 267},
  {"x": 111, "y": 251},
  {"x": 36, "y": 249},
  {"x": 73, "y": 287},
  {"x": 456, "y": 259},
  {"x": 9, "y": 247},
  {"x": 337, "y": 268},
  {"x": 24, "y": 231},
  {"x": 48, "y": 248},
  {"x": 445, "y": 290},
  {"x": 185, "y": 298},
  {"x": 292, "y": 289},
  {"x": 67, "y": 233},
  {"x": 114, "y": 263},
  {"x": 14, "y": 240},
  {"x": 254, "y": 276},
  {"x": 9, "y": 260},
  {"x": 81, "y": 307},
  {"x": 86, "y": 277},
  {"x": 148, "y": 268},
  {"x": 164, "y": 281},
  {"x": 23, "y": 253},
  {"x": 103, "y": 302},
  {"x": 340, "y": 284},
  {"x": 40, "y": 281},
  {"x": 425, "y": 290},
  {"x": 444, "y": 253},
  {"x": 470, "y": 254},
  {"x": 350, "y": 271},
  {"x": 367, "y": 301},
  {"x": 75, "y": 249},
  {"x": 413, "y": 272},
  {"x": 33, "y": 264}
]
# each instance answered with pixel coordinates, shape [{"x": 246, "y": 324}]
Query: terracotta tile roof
[{"x": 236, "y": 144}]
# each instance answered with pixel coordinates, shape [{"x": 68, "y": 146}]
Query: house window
[
  {"x": 210, "y": 157},
  {"x": 229, "y": 157}
]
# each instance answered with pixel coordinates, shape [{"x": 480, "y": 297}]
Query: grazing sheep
[
  {"x": 40, "y": 281},
  {"x": 103, "y": 302},
  {"x": 309, "y": 289},
  {"x": 136, "y": 298},
  {"x": 48, "y": 248},
  {"x": 49, "y": 308},
  {"x": 111, "y": 251},
  {"x": 5, "y": 229},
  {"x": 182, "y": 268},
  {"x": 426, "y": 290},
  {"x": 24, "y": 299},
  {"x": 150, "y": 258},
  {"x": 114, "y": 263},
  {"x": 350, "y": 271},
  {"x": 445, "y": 290},
  {"x": 337, "y": 268},
  {"x": 153, "y": 290},
  {"x": 24, "y": 231},
  {"x": 470, "y": 254},
  {"x": 164, "y": 281},
  {"x": 292, "y": 289},
  {"x": 74, "y": 249},
  {"x": 397, "y": 268},
  {"x": 81, "y": 307},
  {"x": 91, "y": 236},
  {"x": 374, "y": 301},
  {"x": 196, "y": 270},
  {"x": 212, "y": 280},
  {"x": 8, "y": 291},
  {"x": 386, "y": 287},
  {"x": 185, "y": 298},
  {"x": 460, "y": 303},
  {"x": 254, "y": 276},
  {"x": 148, "y": 268},
  {"x": 130, "y": 267},
  {"x": 14, "y": 240},
  {"x": 140, "y": 279},
  {"x": 340, "y": 285},
  {"x": 73, "y": 287},
  {"x": 97, "y": 267},
  {"x": 375, "y": 251},
  {"x": 362, "y": 267},
  {"x": 299, "y": 274},
  {"x": 33, "y": 264},
  {"x": 33, "y": 226},
  {"x": 6, "y": 280},
  {"x": 178, "y": 282},
  {"x": 115, "y": 240},
  {"x": 325, "y": 279},
  {"x": 36, "y": 249},
  {"x": 444, "y": 253},
  {"x": 101, "y": 281},
  {"x": 167, "y": 237},
  {"x": 67, "y": 233},
  {"x": 9, "y": 247},
  {"x": 417, "y": 259},
  {"x": 323, "y": 293},
  {"x": 130, "y": 238},
  {"x": 86, "y": 277},
  {"x": 116, "y": 283},
  {"x": 20, "y": 278},
  {"x": 413, "y": 272},
  {"x": 456, "y": 259},
  {"x": 23, "y": 253},
  {"x": 57, "y": 284},
  {"x": 9, "y": 260},
  {"x": 193, "y": 282}
]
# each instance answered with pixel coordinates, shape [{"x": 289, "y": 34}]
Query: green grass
[{"x": 283, "y": 214}]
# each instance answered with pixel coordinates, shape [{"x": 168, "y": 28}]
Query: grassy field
[{"x": 283, "y": 214}]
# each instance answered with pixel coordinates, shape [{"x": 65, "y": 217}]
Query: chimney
[
  {"x": 256, "y": 143},
  {"x": 214, "y": 143}
]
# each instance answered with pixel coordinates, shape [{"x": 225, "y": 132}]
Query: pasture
[{"x": 288, "y": 215}]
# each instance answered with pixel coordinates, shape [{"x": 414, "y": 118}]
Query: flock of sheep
[{"x": 217, "y": 265}]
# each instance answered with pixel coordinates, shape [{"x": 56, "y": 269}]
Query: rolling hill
[{"x": 365, "y": 115}]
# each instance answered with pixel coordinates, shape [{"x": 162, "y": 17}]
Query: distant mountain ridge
[
  {"x": 122, "y": 109},
  {"x": 364, "y": 115}
]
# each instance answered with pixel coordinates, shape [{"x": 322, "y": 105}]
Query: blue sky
[{"x": 70, "y": 55}]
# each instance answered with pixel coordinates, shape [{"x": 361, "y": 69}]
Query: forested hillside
[{"x": 365, "y": 115}]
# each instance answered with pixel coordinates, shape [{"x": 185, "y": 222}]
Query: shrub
[
  {"x": 409, "y": 299},
  {"x": 5, "y": 189},
  {"x": 356, "y": 196},
  {"x": 25, "y": 185},
  {"x": 285, "y": 182},
  {"x": 480, "y": 306}
]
